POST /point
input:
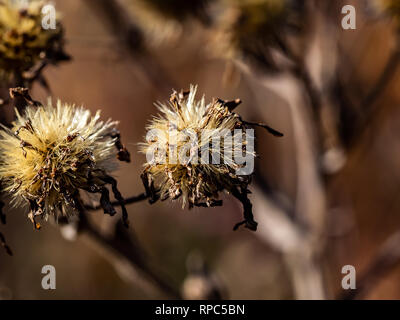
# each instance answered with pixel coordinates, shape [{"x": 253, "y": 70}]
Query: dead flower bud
[
  {"x": 25, "y": 46},
  {"x": 253, "y": 29},
  {"x": 52, "y": 152},
  {"x": 193, "y": 151}
]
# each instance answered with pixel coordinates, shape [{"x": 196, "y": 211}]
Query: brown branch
[
  {"x": 385, "y": 261},
  {"x": 123, "y": 250},
  {"x": 296, "y": 231}
]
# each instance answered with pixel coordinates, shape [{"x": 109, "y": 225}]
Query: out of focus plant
[
  {"x": 253, "y": 29},
  {"x": 52, "y": 152},
  {"x": 25, "y": 47},
  {"x": 161, "y": 20}
]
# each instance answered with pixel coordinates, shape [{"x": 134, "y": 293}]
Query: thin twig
[{"x": 297, "y": 232}]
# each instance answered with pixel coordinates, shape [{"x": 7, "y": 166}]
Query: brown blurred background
[{"x": 362, "y": 198}]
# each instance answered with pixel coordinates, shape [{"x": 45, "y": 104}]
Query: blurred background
[{"x": 325, "y": 195}]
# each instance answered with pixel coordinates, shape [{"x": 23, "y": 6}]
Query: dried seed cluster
[
  {"x": 392, "y": 7},
  {"x": 250, "y": 28},
  {"x": 196, "y": 184},
  {"x": 24, "y": 44},
  {"x": 53, "y": 151}
]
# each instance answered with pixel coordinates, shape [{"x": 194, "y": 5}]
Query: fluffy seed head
[
  {"x": 23, "y": 41},
  {"x": 185, "y": 127},
  {"x": 51, "y": 152}
]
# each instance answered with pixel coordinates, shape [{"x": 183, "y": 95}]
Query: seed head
[
  {"x": 176, "y": 166},
  {"x": 51, "y": 152},
  {"x": 24, "y": 43}
]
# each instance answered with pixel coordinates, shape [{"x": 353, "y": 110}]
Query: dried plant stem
[
  {"x": 296, "y": 231},
  {"x": 387, "y": 258},
  {"x": 141, "y": 197},
  {"x": 123, "y": 253}
]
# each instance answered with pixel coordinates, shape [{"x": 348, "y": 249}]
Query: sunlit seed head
[
  {"x": 196, "y": 183},
  {"x": 53, "y": 151}
]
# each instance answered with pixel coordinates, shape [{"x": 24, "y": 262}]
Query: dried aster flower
[
  {"x": 190, "y": 154},
  {"x": 52, "y": 152},
  {"x": 251, "y": 28},
  {"x": 25, "y": 46}
]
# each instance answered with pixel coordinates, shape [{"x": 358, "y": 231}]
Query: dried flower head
[
  {"x": 52, "y": 152},
  {"x": 251, "y": 28},
  {"x": 184, "y": 161},
  {"x": 25, "y": 46}
]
